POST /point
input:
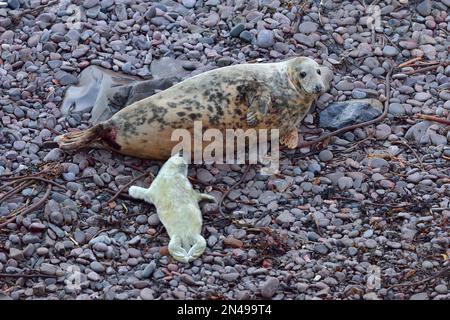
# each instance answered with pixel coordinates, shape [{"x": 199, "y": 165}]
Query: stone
[
  {"x": 438, "y": 139},
  {"x": 320, "y": 248},
  {"x": 341, "y": 114},
  {"x": 189, "y": 3},
  {"x": 370, "y": 244},
  {"x": 345, "y": 183},
  {"x": 204, "y": 176},
  {"x": 97, "y": 267},
  {"x": 47, "y": 268},
  {"x": 233, "y": 242},
  {"x": 146, "y": 294},
  {"x": 90, "y": 3},
  {"x": 344, "y": 85},
  {"x": 148, "y": 270},
  {"x": 417, "y": 131},
  {"x": 422, "y": 96},
  {"x": 419, "y": 296},
  {"x": 424, "y": 8},
  {"x": 16, "y": 254},
  {"x": 396, "y": 109},
  {"x": 13, "y": 4},
  {"x": 230, "y": 277},
  {"x": 307, "y": 27},
  {"x": 390, "y": 51},
  {"x": 265, "y": 39},
  {"x": 441, "y": 288},
  {"x": 304, "y": 39},
  {"x": 285, "y": 217},
  {"x": 53, "y": 155},
  {"x": 247, "y": 36},
  {"x": 269, "y": 287},
  {"x": 382, "y": 131},
  {"x": 237, "y": 30}
]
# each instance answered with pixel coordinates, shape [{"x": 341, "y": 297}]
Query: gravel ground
[{"x": 365, "y": 216}]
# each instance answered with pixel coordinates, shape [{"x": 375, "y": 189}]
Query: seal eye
[
  {"x": 303, "y": 74},
  {"x": 319, "y": 72}
]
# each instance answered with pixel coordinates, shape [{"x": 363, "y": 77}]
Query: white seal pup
[{"x": 177, "y": 206}]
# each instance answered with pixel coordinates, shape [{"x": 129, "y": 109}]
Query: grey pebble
[
  {"x": 269, "y": 287},
  {"x": 325, "y": 155}
]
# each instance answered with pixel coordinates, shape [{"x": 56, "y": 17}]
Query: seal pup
[
  {"x": 177, "y": 206},
  {"x": 261, "y": 96}
]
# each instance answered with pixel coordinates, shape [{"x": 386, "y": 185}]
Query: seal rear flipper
[
  {"x": 99, "y": 136},
  {"x": 290, "y": 139}
]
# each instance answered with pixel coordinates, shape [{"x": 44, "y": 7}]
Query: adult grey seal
[{"x": 261, "y": 96}]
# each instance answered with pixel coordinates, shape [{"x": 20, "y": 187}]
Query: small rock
[
  {"x": 307, "y": 27},
  {"x": 13, "y": 4},
  {"x": 97, "y": 267},
  {"x": 390, "y": 51},
  {"x": 269, "y": 287},
  {"x": 304, "y": 39},
  {"x": 340, "y": 114},
  {"x": 422, "y": 96},
  {"x": 370, "y": 296},
  {"x": 53, "y": 155},
  {"x": 247, "y": 36},
  {"x": 441, "y": 288},
  {"x": 147, "y": 293},
  {"x": 189, "y": 3},
  {"x": 383, "y": 131},
  {"x": 285, "y": 217},
  {"x": 419, "y": 296},
  {"x": 265, "y": 39},
  {"x": 320, "y": 248},
  {"x": 345, "y": 183},
  {"x": 204, "y": 176},
  {"x": 230, "y": 277},
  {"x": 233, "y": 242},
  {"x": 325, "y": 155},
  {"x": 37, "y": 227},
  {"x": 237, "y": 30},
  {"x": 424, "y": 8},
  {"x": 396, "y": 109},
  {"x": 148, "y": 270},
  {"x": 16, "y": 254}
]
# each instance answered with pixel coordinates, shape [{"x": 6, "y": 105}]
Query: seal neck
[{"x": 293, "y": 76}]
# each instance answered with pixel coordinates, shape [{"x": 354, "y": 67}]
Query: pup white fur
[{"x": 177, "y": 206}]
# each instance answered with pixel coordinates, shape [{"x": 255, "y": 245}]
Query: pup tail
[{"x": 91, "y": 137}]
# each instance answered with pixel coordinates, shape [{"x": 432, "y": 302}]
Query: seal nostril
[{"x": 318, "y": 88}]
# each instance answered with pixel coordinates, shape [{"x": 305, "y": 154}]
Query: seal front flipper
[
  {"x": 205, "y": 197},
  {"x": 140, "y": 193},
  {"x": 259, "y": 107},
  {"x": 290, "y": 139}
]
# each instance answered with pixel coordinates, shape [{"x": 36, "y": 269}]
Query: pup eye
[
  {"x": 303, "y": 74},
  {"x": 319, "y": 72}
]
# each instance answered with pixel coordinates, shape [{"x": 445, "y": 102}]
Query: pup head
[
  {"x": 306, "y": 74},
  {"x": 176, "y": 164}
]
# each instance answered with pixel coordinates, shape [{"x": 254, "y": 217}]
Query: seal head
[{"x": 306, "y": 75}]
